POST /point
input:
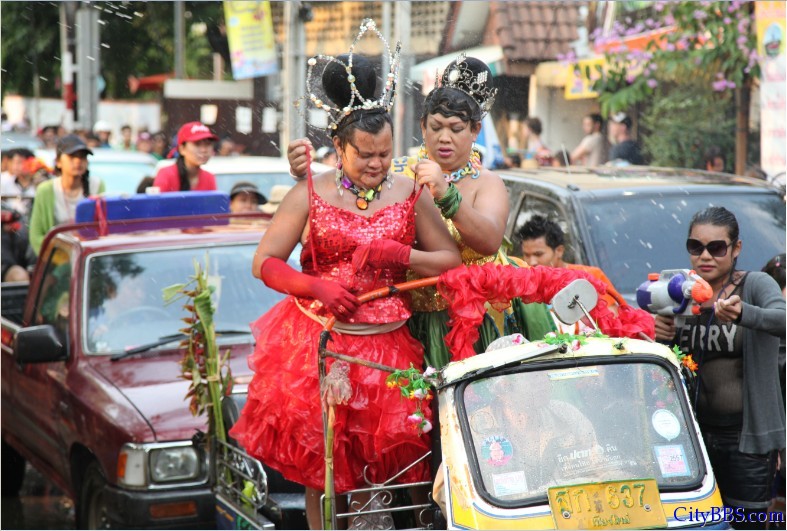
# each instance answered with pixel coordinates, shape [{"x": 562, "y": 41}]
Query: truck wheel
[
  {"x": 13, "y": 471},
  {"x": 92, "y": 504}
]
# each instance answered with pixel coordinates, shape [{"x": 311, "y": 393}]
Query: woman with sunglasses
[{"x": 735, "y": 341}]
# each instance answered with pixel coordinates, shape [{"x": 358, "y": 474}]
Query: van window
[{"x": 533, "y": 205}]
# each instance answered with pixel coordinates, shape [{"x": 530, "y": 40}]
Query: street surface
[{"x": 40, "y": 505}]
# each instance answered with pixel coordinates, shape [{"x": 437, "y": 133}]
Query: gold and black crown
[{"x": 461, "y": 76}]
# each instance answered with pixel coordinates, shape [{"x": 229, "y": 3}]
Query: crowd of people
[{"x": 375, "y": 219}]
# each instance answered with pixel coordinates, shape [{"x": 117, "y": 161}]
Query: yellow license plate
[{"x": 632, "y": 504}]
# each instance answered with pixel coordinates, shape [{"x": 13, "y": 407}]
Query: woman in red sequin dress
[{"x": 359, "y": 231}]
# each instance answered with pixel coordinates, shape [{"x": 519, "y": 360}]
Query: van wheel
[
  {"x": 13, "y": 471},
  {"x": 92, "y": 510}
]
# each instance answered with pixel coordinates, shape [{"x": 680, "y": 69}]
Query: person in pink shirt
[{"x": 195, "y": 147}]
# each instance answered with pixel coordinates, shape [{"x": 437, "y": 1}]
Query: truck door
[{"x": 37, "y": 386}]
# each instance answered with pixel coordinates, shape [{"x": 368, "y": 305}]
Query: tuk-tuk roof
[{"x": 528, "y": 353}]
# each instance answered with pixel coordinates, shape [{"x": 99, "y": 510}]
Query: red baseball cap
[{"x": 194, "y": 132}]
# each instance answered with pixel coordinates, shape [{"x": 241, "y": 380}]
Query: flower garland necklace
[{"x": 472, "y": 168}]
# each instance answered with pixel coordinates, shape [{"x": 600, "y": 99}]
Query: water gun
[{"x": 673, "y": 292}]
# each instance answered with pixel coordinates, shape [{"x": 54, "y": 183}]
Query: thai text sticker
[
  {"x": 672, "y": 460},
  {"x": 509, "y": 483}
]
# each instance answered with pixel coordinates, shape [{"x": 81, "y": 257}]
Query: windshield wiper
[{"x": 164, "y": 340}]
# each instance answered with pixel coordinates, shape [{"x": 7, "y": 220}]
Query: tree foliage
[
  {"x": 30, "y": 47},
  {"x": 671, "y": 142},
  {"x": 712, "y": 41},
  {"x": 137, "y": 38}
]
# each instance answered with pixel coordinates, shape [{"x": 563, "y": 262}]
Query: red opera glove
[
  {"x": 387, "y": 254},
  {"x": 276, "y": 274}
]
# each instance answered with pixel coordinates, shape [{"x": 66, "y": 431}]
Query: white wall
[
  {"x": 50, "y": 111},
  {"x": 561, "y": 118}
]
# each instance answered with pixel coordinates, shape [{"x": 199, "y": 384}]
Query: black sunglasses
[{"x": 716, "y": 248}]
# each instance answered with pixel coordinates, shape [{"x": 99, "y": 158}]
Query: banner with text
[
  {"x": 251, "y": 39},
  {"x": 770, "y": 47}
]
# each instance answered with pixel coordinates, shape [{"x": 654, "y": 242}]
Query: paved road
[{"x": 40, "y": 505}]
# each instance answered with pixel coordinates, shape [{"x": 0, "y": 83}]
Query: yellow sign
[
  {"x": 633, "y": 504},
  {"x": 580, "y": 79},
  {"x": 251, "y": 39}
]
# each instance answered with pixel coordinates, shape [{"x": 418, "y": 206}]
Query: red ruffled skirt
[{"x": 281, "y": 423}]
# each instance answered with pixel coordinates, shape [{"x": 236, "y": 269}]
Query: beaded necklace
[
  {"x": 364, "y": 197},
  {"x": 472, "y": 168}
]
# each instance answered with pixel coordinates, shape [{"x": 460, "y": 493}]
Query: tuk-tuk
[
  {"x": 566, "y": 433},
  {"x": 545, "y": 436}
]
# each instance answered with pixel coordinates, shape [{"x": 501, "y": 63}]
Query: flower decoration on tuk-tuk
[
  {"x": 568, "y": 341},
  {"x": 417, "y": 386},
  {"x": 685, "y": 360}
]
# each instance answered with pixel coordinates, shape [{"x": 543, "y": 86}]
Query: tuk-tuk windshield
[{"x": 536, "y": 429}]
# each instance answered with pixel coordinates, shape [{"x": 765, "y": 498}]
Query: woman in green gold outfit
[{"x": 472, "y": 199}]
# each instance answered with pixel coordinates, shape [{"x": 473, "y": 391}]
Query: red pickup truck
[{"x": 91, "y": 389}]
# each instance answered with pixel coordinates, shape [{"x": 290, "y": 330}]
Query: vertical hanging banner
[
  {"x": 251, "y": 39},
  {"x": 770, "y": 48}
]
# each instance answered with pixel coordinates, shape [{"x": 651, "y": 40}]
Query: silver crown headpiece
[
  {"x": 357, "y": 101},
  {"x": 460, "y": 76}
]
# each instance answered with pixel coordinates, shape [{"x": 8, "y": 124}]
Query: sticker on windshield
[
  {"x": 672, "y": 460},
  {"x": 666, "y": 424},
  {"x": 576, "y": 372},
  {"x": 497, "y": 450},
  {"x": 509, "y": 484}
]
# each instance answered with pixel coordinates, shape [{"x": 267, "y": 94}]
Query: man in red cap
[{"x": 195, "y": 148}]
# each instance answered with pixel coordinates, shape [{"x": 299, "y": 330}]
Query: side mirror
[
  {"x": 575, "y": 301},
  {"x": 39, "y": 344}
]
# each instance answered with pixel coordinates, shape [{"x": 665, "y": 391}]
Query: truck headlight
[
  {"x": 160, "y": 464},
  {"x": 174, "y": 464}
]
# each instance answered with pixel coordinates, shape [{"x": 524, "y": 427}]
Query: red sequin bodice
[{"x": 335, "y": 233}]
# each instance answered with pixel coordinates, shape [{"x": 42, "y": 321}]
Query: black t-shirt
[
  {"x": 627, "y": 150},
  {"x": 718, "y": 348}
]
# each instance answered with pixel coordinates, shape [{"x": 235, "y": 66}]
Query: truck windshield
[
  {"x": 124, "y": 306},
  {"x": 629, "y": 245},
  {"x": 529, "y": 431}
]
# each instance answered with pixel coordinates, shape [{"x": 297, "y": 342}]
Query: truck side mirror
[{"x": 39, "y": 344}]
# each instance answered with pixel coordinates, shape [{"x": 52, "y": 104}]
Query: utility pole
[
  {"x": 293, "y": 78},
  {"x": 180, "y": 41},
  {"x": 403, "y": 113},
  {"x": 67, "y": 62},
  {"x": 88, "y": 65}
]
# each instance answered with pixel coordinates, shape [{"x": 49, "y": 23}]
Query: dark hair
[
  {"x": 718, "y": 216},
  {"x": 775, "y": 268},
  {"x": 712, "y": 153},
  {"x": 451, "y": 102},
  {"x": 540, "y": 227},
  {"x": 337, "y": 89},
  {"x": 596, "y": 118},
  {"x": 144, "y": 184},
  {"x": 21, "y": 152},
  {"x": 534, "y": 124},
  {"x": 183, "y": 174},
  {"x": 562, "y": 157}
]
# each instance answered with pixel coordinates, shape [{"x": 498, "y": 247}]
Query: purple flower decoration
[
  {"x": 741, "y": 39},
  {"x": 630, "y": 78},
  {"x": 652, "y": 83},
  {"x": 727, "y": 21},
  {"x": 659, "y": 7},
  {"x": 699, "y": 14},
  {"x": 719, "y": 85},
  {"x": 669, "y": 20}
]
